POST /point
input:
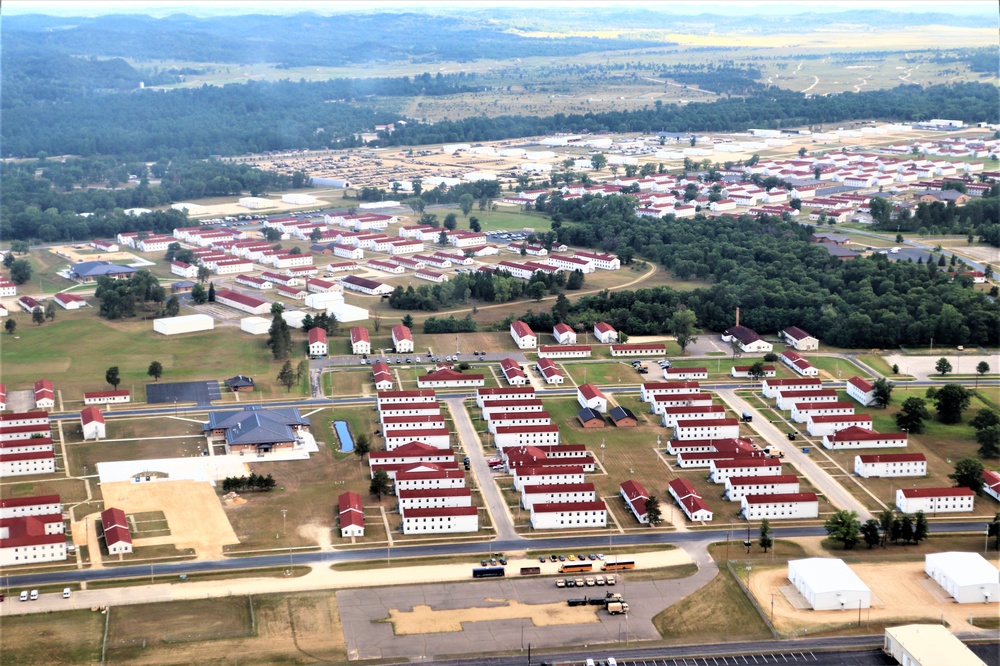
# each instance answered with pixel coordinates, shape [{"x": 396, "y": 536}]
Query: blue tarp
[{"x": 344, "y": 433}]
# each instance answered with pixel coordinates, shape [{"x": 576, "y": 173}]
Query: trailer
[{"x": 531, "y": 571}]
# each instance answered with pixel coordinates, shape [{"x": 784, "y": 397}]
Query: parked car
[
  {"x": 591, "y": 557},
  {"x": 34, "y": 595},
  {"x": 541, "y": 558},
  {"x": 560, "y": 582},
  {"x": 562, "y": 558}
]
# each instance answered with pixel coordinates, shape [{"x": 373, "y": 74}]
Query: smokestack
[{"x": 737, "y": 316}]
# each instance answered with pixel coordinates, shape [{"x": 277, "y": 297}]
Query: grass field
[
  {"x": 70, "y": 637},
  {"x": 614, "y": 373},
  {"x": 697, "y": 616},
  {"x": 261, "y": 629},
  {"x": 97, "y": 344},
  {"x": 837, "y": 368}
]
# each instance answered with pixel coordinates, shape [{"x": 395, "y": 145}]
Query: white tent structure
[
  {"x": 968, "y": 577},
  {"x": 183, "y": 324},
  {"x": 827, "y": 583}
]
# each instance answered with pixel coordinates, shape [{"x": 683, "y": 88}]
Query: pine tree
[{"x": 765, "y": 534}]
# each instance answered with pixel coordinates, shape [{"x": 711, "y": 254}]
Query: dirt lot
[
  {"x": 192, "y": 509},
  {"x": 425, "y": 620},
  {"x": 87, "y": 253},
  {"x": 905, "y": 593}
]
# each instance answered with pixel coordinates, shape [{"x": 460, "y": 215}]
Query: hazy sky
[{"x": 216, "y": 7}]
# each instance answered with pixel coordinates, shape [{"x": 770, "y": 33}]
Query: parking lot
[{"x": 200, "y": 393}]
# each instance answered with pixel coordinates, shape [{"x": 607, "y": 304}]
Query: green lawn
[
  {"x": 616, "y": 373},
  {"x": 96, "y": 344},
  {"x": 836, "y": 368},
  {"x": 697, "y": 616},
  {"x": 879, "y": 364},
  {"x": 506, "y": 218}
]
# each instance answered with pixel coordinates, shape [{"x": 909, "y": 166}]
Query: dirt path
[
  {"x": 642, "y": 278},
  {"x": 813, "y": 85}
]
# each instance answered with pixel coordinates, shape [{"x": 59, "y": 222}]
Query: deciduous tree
[
  {"x": 684, "y": 326},
  {"x": 155, "y": 370},
  {"x": 112, "y": 376},
  {"x": 968, "y": 474},
  {"x": 287, "y": 376},
  {"x": 950, "y": 401},
  {"x": 766, "y": 541},
  {"x": 882, "y": 392},
  {"x": 380, "y": 484},
  {"x": 653, "y": 511},
  {"x": 912, "y": 415},
  {"x": 870, "y": 532},
  {"x": 943, "y": 366},
  {"x": 844, "y": 527}
]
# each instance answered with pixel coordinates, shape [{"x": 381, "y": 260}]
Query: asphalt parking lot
[
  {"x": 201, "y": 393},
  {"x": 369, "y": 636}
]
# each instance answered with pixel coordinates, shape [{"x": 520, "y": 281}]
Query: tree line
[
  {"x": 255, "y": 482},
  {"x": 771, "y": 270}
]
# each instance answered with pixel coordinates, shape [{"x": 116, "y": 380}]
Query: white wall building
[
  {"x": 183, "y": 324},
  {"x": 935, "y": 500},
  {"x": 557, "y": 494},
  {"x": 441, "y": 520},
  {"x": 861, "y": 390},
  {"x": 781, "y": 506},
  {"x": 827, "y": 583},
  {"x": 968, "y": 577},
  {"x": 569, "y": 515},
  {"x": 738, "y": 487},
  {"x": 928, "y": 645},
  {"x": 890, "y": 464}
]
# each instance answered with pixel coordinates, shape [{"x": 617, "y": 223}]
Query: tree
[
  {"x": 536, "y": 290},
  {"x": 287, "y": 375},
  {"x": 50, "y": 310},
  {"x": 560, "y": 311},
  {"x": 756, "y": 371},
  {"x": 279, "y": 338},
  {"x": 968, "y": 474},
  {"x": 912, "y": 415},
  {"x": 598, "y": 161},
  {"x": 993, "y": 529},
  {"x": 653, "y": 512},
  {"x": 988, "y": 439},
  {"x": 985, "y": 418},
  {"x": 380, "y": 484},
  {"x": 920, "y": 527},
  {"x": 377, "y": 322},
  {"x": 173, "y": 306},
  {"x": 155, "y": 370},
  {"x": 211, "y": 292},
  {"x": 896, "y": 529},
  {"x": 684, "y": 326},
  {"x": 981, "y": 370},
  {"x": 465, "y": 203},
  {"x": 766, "y": 541},
  {"x": 302, "y": 370},
  {"x": 407, "y": 321},
  {"x": 443, "y": 237},
  {"x": 198, "y": 294},
  {"x": 870, "y": 532},
  {"x": 906, "y": 528},
  {"x": 316, "y": 235},
  {"x": 112, "y": 377},
  {"x": 38, "y": 316},
  {"x": 10, "y": 326},
  {"x": 882, "y": 392},
  {"x": 844, "y": 527},
  {"x": 362, "y": 445},
  {"x": 885, "y": 520},
  {"x": 451, "y": 221},
  {"x": 943, "y": 366},
  {"x": 20, "y": 271},
  {"x": 575, "y": 280},
  {"x": 204, "y": 272},
  {"x": 950, "y": 401},
  {"x": 474, "y": 224},
  {"x": 802, "y": 151}
]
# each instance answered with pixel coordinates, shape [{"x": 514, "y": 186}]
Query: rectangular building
[
  {"x": 890, "y": 464},
  {"x": 569, "y": 515},
  {"x": 441, "y": 520},
  {"x": 689, "y": 500},
  {"x": 783, "y": 506},
  {"x": 933, "y": 501}
]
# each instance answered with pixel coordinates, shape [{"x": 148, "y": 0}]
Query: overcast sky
[{"x": 216, "y": 7}]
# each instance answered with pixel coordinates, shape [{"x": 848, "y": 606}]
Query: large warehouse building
[
  {"x": 927, "y": 645},
  {"x": 828, "y": 584},
  {"x": 184, "y": 324},
  {"x": 968, "y": 577}
]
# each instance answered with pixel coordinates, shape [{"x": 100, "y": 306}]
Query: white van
[
  {"x": 34, "y": 595},
  {"x": 67, "y": 593},
  {"x": 894, "y": 250},
  {"x": 24, "y": 595},
  {"x": 612, "y": 661}
]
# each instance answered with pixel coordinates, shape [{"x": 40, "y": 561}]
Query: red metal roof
[
  {"x": 414, "y": 418},
  {"x": 525, "y": 429},
  {"x": 400, "y": 332},
  {"x": 513, "y": 416},
  {"x": 420, "y": 393},
  {"x": 317, "y": 334},
  {"x": 547, "y": 349},
  {"x": 860, "y": 384},
  {"x": 707, "y": 422},
  {"x": 665, "y": 386},
  {"x": 506, "y": 390},
  {"x": 793, "y": 382},
  {"x": 748, "y": 462},
  {"x": 754, "y": 480},
  {"x": 796, "y": 333},
  {"x": 682, "y": 371},
  {"x": 30, "y": 455},
  {"x": 558, "y": 488},
  {"x": 446, "y": 374},
  {"x": 12, "y": 502},
  {"x": 521, "y": 329},
  {"x": 90, "y": 415},
  {"x": 560, "y": 470},
  {"x": 647, "y": 346},
  {"x": 30, "y": 531},
  {"x": 105, "y": 394},
  {"x": 417, "y": 434},
  {"x": 843, "y": 418},
  {"x": 634, "y": 490},
  {"x": 434, "y": 492},
  {"x": 604, "y": 327},
  {"x": 360, "y": 334},
  {"x": 936, "y": 492},
  {"x": 589, "y": 392},
  {"x": 237, "y": 297},
  {"x": 893, "y": 457},
  {"x": 781, "y": 498},
  {"x": 443, "y": 474},
  {"x": 562, "y": 328},
  {"x": 708, "y": 409}
]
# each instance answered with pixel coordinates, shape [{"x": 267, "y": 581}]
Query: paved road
[
  {"x": 819, "y": 477},
  {"x": 500, "y": 516}
]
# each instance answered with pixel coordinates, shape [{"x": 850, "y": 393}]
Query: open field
[
  {"x": 70, "y": 637},
  {"x": 835, "y": 368},
  {"x": 698, "y": 615},
  {"x": 42, "y": 352}
]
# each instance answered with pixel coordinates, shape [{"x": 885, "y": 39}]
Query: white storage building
[
  {"x": 255, "y": 325},
  {"x": 183, "y": 324},
  {"x": 968, "y": 577},
  {"x": 827, "y": 583},
  {"x": 928, "y": 645}
]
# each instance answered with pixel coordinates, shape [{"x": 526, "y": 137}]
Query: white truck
[{"x": 617, "y": 607}]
